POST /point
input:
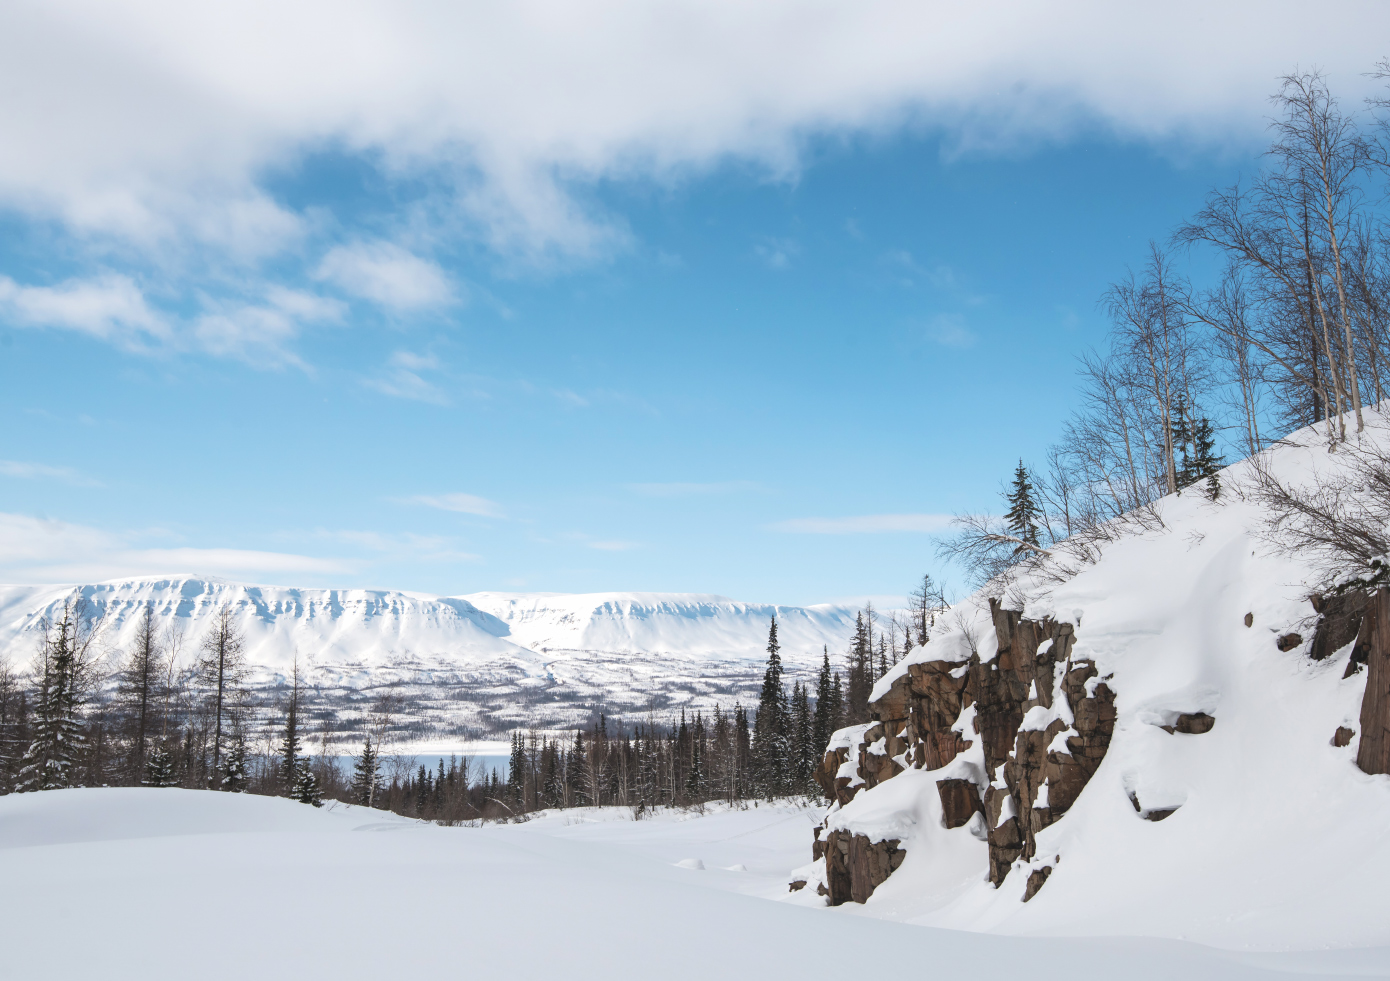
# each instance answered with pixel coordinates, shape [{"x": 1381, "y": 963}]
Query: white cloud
[
  {"x": 156, "y": 121},
  {"x": 613, "y": 546},
  {"x": 460, "y": 503},
  {"x": 32, "y": 471},
  {"x": 864, "y": 524},
  {"x": 107, "y": 306},
  {"x": 387, "y": 275},
  {"x": 39, "y": 550}
]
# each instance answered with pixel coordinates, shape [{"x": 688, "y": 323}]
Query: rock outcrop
[
  {"x": 856, "y": 866},
  {"x": 1373, "y": 753},
  {"x": 1044, "y": 720}
]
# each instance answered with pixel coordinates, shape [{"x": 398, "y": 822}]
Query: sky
[{"x": 706, "y": 296}]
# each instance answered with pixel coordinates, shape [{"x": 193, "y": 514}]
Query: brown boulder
[
  {"x": 855, "y": 866},
  {"x": 1339, "y": 622},
  {"x": 960, "y": 801},
  {"x": 1035, "y": 882},
  {"x": 1342, "y": 737},
  {"x": 1289, "y": 641},
  {"x": 1191, "y": 723}
]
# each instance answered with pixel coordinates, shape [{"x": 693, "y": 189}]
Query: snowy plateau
[{"x": 467, "y": 668}]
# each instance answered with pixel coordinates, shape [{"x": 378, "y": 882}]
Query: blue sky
[{"x": 734, "y": 344}]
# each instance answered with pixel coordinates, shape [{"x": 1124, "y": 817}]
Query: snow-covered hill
[
  {"x": 471, "y": 666},
  {"x": 1148, "y": 747}
]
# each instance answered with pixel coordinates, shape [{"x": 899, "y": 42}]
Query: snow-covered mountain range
[{"x": 471, "y": 666}]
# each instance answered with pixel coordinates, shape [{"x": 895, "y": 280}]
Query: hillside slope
[{"x": 1148, "y": 747}]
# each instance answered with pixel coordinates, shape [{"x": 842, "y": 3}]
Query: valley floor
[{"x": 153, "y": 884}]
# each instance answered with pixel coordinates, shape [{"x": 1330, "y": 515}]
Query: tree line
[{"x": 72, "y": 721}]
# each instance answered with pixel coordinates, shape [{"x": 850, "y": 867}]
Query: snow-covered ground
[
  {"x": 155, "y": 884},
  {"x": 469, "y": 666}
]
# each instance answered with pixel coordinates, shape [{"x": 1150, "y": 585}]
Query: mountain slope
[
  {"x": 466, "y": 667},
  {"x": 1148, "y": 747}
]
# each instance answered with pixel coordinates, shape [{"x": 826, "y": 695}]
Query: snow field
[{"x": 154, "y": 884}]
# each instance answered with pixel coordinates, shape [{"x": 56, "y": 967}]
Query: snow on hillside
[
  {"x": 171, "y": 884},
  {"x": 1273, "y": 838},
  {"x": 469, "y": 666}
]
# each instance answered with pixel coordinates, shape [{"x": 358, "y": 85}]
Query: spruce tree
[
  {"x": 365, "y": 774},
  {"x": 159, "y": 769},
  {"x": 232, "y": 768},
  {"x": 837, "y": 706},
  {"x": 860, "y": 669},
  {"x": 290, "y": 741},
  {"x": 695, "y": 773},
  {"x": 49, "y": 762},
  {"x": 824, "y": 721},
  {"x": 576, "y": 772},
  {"x": 305, "y": 786},
  {"x": 1206, "y": 465},
  {"x": 803, "y": 750},
  {"x": 1023, "y": 513},
  {"x": 771, "y": 743}
]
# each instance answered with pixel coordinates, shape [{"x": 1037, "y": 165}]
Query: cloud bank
[{"x": 156, "y": 121}]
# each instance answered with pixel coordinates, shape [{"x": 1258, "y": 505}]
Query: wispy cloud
[
  {"x": 684, "y": 489},
  {"x": 402, "y": 379},
  {"x": 458, "y": 503},
  {"x": 387, "y": 275},
  {"x": 38, "y": 471},
  {"x": 259, "y": 333},
  {"x": 949, "y": 330},
  {"x": 40, "y": 550},
  {"x": 613, "y": 546},
  {"x": 106, "y": 306},
  {"x": 777, "y": 253},
  {"x": 864, "y": 524}
]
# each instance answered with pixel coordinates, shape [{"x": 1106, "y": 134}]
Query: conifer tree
[
  {"x": 575, "y": 772},
  {"x": 824, "y": 721},
  {"x": 860, "y": 669},
  {"x": 1023, "y": 513},
  {"x": 771, "y": 743},
  {"x": 803, "y": 750},
  {"x": 49, "y": 762},
  {"x": 159, "y": 768},
  {"x": 305, "y": 786},
  {"x": 290, "y": 742},
  {"x": 743, "y": 752},
  {"x": 232, "y": 768},
  {"x": 516, "y": 770},
  {"x": 695, "y": 773},
  {"x": 365, "y": 774},
  {"x": 837, "y": 706}
]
